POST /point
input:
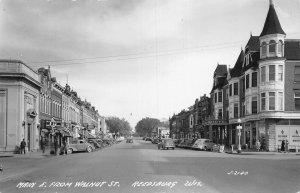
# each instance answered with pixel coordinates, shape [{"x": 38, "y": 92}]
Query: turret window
[
  {"x": 280, "y": 73},
  {"x": 280, "y": 48},
  {"x": 264, "y": 48},
  {"x": 272, "y": 73},
  {"x": 272, "y": 46}
]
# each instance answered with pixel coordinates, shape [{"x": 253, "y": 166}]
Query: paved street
[{"x": 124, "y": 167}]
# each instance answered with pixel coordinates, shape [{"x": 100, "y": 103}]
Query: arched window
[
  {"x": 272, "y": 46},
  {"x": 264, "y": 48},
  {"x": 280, "y": 47}
]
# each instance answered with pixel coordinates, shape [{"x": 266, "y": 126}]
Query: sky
[{"x": 136, "y": 58}]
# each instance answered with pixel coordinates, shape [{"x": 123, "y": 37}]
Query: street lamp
[{"x": 239, "y": 127}]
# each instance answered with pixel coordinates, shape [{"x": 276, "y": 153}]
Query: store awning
[{"x": 90, "y": 136}]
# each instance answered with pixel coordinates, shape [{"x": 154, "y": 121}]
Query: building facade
[
  {"x": 261, "y": 93},
  {"x": 19, "y": 102}
]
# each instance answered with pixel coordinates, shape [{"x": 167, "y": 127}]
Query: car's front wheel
[
  {"x": 69, "y": 151},
  {"x": 89, "y": 149}
]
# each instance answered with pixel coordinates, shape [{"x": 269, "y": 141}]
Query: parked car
[
  {"x": 177, "y": 142},
  {"x": 148, "y": 139},
  {"x": 155, "y": 141},
  {"x": 95, "y": 143},
  {"x": 183, "y": 143},
  {"x": 129, "y": 140},
  {"x": 166, "y": 144},
  {"x": 190, "y": 143},
  {"x": 79, "y": 145},
  {"x": 203, "y": 144}
]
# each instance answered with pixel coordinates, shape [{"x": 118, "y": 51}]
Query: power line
[{"x": 139, "y": 55}]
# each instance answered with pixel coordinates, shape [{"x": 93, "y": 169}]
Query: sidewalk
[
  {"x": 261, "y": 153},
  {"x": 37, "y": 155}
]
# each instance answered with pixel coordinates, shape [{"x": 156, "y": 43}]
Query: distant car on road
[
  {"x": 203, "y": 144},
  {"x": 129, "y": 140},
  {"x": 148, "y": 139},
  {"x": 79, "y": 145},
  {"x": 166, "y": 144}
]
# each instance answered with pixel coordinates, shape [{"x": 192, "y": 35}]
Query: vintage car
[
  {"x": 129, "y": 140},
  {"x": 155, "y": 141},
  {"x": 166, "y": 144},
  {"x": 95, "y": 143},
  {"x": 203, "y": 144},
  {"x": 79, "y": 145}
]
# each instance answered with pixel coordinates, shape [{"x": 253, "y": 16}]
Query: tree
[
  {"x": 117, "y": 125},
  {"x": 145, "y": 126}
]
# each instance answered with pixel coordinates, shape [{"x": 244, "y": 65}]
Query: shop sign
[
  {"x": 216, "y": 122},
  {"x": 292, "y": 134}
]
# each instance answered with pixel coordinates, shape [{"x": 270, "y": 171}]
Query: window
[
  {"x": 263, "y": 74},
  {"x": 272, "y": 73},
  {"x": 280, "y": 101},
  {"x": 220, "y": 97},
  {"x": 254, "y": 105},
  {"x": 297, "y": 101},
  {"x": 263, "y": 101},
  {"x": 236, "y": 110},
  {"x": 230, "y": 90},
  {"x": 272, "y": 46},
  {"x": 247, "y": 106},
  {"x": 264, "y": 48},
  {"x": 236, "y": 88},
  {"x": 216, "y": 98},
  {"x": 280, "y": 47},
  {"x": 220, "y": 114},
  {"x": 297, "y": 74},
  {"x": 280, "y": 73},
  {"x": 254, "y": 79},
  {"x": 243, "y": 85},
  {"x": 271, "y": 101},
  {"x": 226, "y": 93},
  {"x": 247, "y": 81},
  {"x": 243, "y": 108}
]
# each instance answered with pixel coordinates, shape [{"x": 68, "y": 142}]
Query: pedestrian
[
  {"x": 258, "y": 145},
  {"x": 22, "y": 146},
  {"x": 287, "y": 146},
  {"x": 55, "y": 146},
  {"x": 282, "y": 146},
  {"x": 43, "y": 145}
]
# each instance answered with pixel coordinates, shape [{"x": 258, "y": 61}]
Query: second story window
[
  {"x": 254, "y": 105},
  {"x": 216, "y": 98},
  {"x": 280, "y": 73},
  {"x": 236, "y": 88},
  {"x": 247, "y": 81},
  {"x": 220, "y": 96},
  {"x": 220, "y": 114},
  {"x": 297, "y": 74},
  {"x": 263, "y": 101},
  {"x": 236, "y": 110},
  {"x": 272, "y": 73},
  {"x": 297, "y": 101},
  {"x": 230, "y": 90},
  {"x": 271, "y": 101},
  {"x": 254, "y": 79},
  {"x": 263, "y": 74}
]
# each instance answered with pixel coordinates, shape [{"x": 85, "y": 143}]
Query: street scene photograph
[{"x": 149, "y": 96}]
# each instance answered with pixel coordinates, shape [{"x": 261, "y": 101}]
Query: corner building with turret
[{"x": 261, "y": 92}]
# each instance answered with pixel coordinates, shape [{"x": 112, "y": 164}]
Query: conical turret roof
[{"x": 272, "y": 24}]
